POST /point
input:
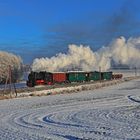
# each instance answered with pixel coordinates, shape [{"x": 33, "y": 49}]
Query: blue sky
[{"x": 43, "y": 28}]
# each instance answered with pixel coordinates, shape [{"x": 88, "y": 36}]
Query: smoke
[
  {"x": 119, "y": 51},
  {"x": 126, "y": 52},
  {"x": 9, "y": 59}
]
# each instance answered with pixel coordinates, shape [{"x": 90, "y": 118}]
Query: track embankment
[{"x": 64, "y": 88}]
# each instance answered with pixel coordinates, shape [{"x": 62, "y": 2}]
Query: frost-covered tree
[{"x": 7, "y": 61}]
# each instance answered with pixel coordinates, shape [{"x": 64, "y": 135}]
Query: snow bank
[
  {"x": 73, "y": 89},
  {"x": 105, "y": 114}
]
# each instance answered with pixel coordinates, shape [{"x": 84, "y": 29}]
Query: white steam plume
[
  {"x": 6, "y": 60},
  {"x": 82, "y": 57}
]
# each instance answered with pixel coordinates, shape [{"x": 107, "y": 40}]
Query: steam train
[{"x": 48, "y": 78}]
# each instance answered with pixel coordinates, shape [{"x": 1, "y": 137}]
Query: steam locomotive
[{"x": 48, "y": 78}]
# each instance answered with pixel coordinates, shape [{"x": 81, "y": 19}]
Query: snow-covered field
[{"x": 108, "y": 113}]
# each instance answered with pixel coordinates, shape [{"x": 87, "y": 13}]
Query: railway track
[{"x": 19, "y": 89}]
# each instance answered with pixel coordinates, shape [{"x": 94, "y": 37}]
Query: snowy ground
[{"x": 109, "y": 113}]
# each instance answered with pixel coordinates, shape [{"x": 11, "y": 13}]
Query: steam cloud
[
  {"x": 14, "y": 61},
  {"x": 120, "y": 52}
]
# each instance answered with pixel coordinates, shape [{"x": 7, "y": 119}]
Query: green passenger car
[
  {"x": 95, "y": 76},
  {"x": 106, "y": 75},
  {"x": 76, "y": 76}
]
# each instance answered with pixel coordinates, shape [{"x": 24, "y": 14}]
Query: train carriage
[
  {"x": 77, "y": 76},
  {"x": 59, "y": 77},
  {"x": 94, "y": 76},
  {"x": 106, "y": 75},
  {"x": 117, "y": 76}
]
